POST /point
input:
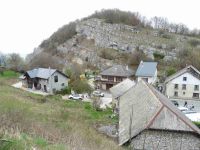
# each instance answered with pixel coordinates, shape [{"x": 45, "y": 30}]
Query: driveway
[
  {"x": 106, "y": 100},
  {"x": 19, "y": 86}
]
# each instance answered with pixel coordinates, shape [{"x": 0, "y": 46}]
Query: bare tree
[{"x": 15, "y": 62}]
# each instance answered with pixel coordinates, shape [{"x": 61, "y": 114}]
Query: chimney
[{"x": 126, "y": 67}]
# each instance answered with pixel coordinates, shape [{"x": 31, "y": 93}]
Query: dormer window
[{"x": 184, "y": 78}]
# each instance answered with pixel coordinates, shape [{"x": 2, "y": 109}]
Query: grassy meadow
[{"x": 29, "y": 121}]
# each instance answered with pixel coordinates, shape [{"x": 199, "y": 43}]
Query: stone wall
[{"x": 165, "y": 140}]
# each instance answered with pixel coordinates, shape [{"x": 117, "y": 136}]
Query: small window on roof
[{"x": 184, "y": 78}]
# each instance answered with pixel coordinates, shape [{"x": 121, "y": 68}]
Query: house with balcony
[
  {"x": 112, "y": 76},
  {"x": 184, "y": 84}
]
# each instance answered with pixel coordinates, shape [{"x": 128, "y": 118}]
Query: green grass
[
  {"x": 9, "y": 74},
  {"x": 27, "y": 122}
]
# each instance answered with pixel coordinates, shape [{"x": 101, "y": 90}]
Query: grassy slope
[{"x": 29, "y": 120}]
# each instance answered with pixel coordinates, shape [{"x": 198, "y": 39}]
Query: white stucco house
[
  {"x": 184, "y": 84},
  {"x": 45, "y": 79},
  {"x": 147, "y": 71}
]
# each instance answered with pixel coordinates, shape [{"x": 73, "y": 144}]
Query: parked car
[
  {"x": 75, "y": 97},
  {"x": 175, "y": 103},
  {"x": 98, "y": 94},
  {"x": 183, "y": 109}
]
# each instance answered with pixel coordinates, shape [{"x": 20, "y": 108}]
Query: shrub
[
  {"x": 81, "y": 86},
  {"x": 108, "y": 54},
  {"x": 170, "y": 71},
  {"x": 197, "y": 124},
  {"x": 64, "y": 91},
  {"x": 158, "y": 56},
  {"x": 194, "y": 42},
  {"x": 166, "y": 36}
]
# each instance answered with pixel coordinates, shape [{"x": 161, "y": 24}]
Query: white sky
[{"x": 24, "y": 24}]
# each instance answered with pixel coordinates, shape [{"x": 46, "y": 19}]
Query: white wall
[
  {"x": 188, "y": 92},
  {"x": 190, "y": 79},
  {"x": 57, "y": 85},
  {"x": 151, "y": 80}
]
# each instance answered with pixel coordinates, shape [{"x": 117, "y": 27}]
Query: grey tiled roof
[
  {"x": 121, "y": 88},
  {"x": 118, "y": 70},
  {"x": 189, "y": 69},
  {"x": 143, "y": 107},
  {"x": 43, "y": 73},
  {"x": 146, "y": 69}
]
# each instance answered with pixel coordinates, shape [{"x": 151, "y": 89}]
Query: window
[
  {"x": 111, "y": 78},
  {"x": 195, "y": 95},
  {"x": 118, "y": 79},
  {"x": 104, "y": 77},
  {"x": 196, "y": 87},
  {"x": 63, "y": 84},
  {"x": 176, "y": 86},
  {"x": 184, "y": 78},
  {"x": 55, "y": 78},
  {"x": 183, "y": 86},
  {"x": 175, "y": 94},
  {"x": 183, "y": 93}
]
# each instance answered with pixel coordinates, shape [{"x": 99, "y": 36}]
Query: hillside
[
  {"x": 113, "y": 36},
  {"x": 31, "y": 121}
]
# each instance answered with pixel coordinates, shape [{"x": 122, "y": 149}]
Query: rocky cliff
[{"x": 94, "y": 35}]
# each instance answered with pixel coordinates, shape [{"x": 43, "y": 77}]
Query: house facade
[
  {"x": 184, "y": 84},
  {"x": 147, "y": 71},
  {"x": 44, "y": 79},
  {"x": 150, "y": 121},
  {"x": 112, "y": 76}
]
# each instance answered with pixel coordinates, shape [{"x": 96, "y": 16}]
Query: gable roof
[
  {"x": 43, "y": 73},
  {"x": 143, "y": 107},
  {"x": 146, "y": 69},
  {"x": 190, "y": 69},
  {"x": 118, "y": 70},
  {"x": 121, "y": 87}
]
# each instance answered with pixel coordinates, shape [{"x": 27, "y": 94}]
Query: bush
[
  {"x": 108, "y": 54},
  {"x": 64, "y": 91},
  {"x": 158, "y": 56},
  {"x": 170, "y": 71},
  {"x": 81, "y": 86},
  {"x": 166, "y": 36},
  {"x": 197, "y": 124},
  {"x": 194, "y": 42}
]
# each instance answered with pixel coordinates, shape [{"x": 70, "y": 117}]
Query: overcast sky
[{"x": 26, "y": 23}]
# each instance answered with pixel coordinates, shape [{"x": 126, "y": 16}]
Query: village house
[
  {"x": 184, "y": 84},
  {"x": 147, "y": 71},
  {"x": 44, "y": 79},
  {"x": 118, "y": 90},
  {"x": 113, "y": 75},
  {"x": 149, "y": 120}
]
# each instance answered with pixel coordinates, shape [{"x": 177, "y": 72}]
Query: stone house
[
  {"x": 118, "y": 90},
  {"x": 184, "y": 84},
  {"x": 147, "y": 71},
  {"x": 149, "y": 120},
  {"x": 44, "y": 79},
  {"x": 112, "y": 76}
]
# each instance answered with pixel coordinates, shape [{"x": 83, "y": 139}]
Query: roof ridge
[{"x": 187, "y": 122}]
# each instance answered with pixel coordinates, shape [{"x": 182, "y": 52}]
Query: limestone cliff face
[
  {"x": 94, "y": 34},
  {"x": 127, "y": 38}
]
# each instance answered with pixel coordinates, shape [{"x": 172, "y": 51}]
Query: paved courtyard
[{"x": 196, "y": 103}]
